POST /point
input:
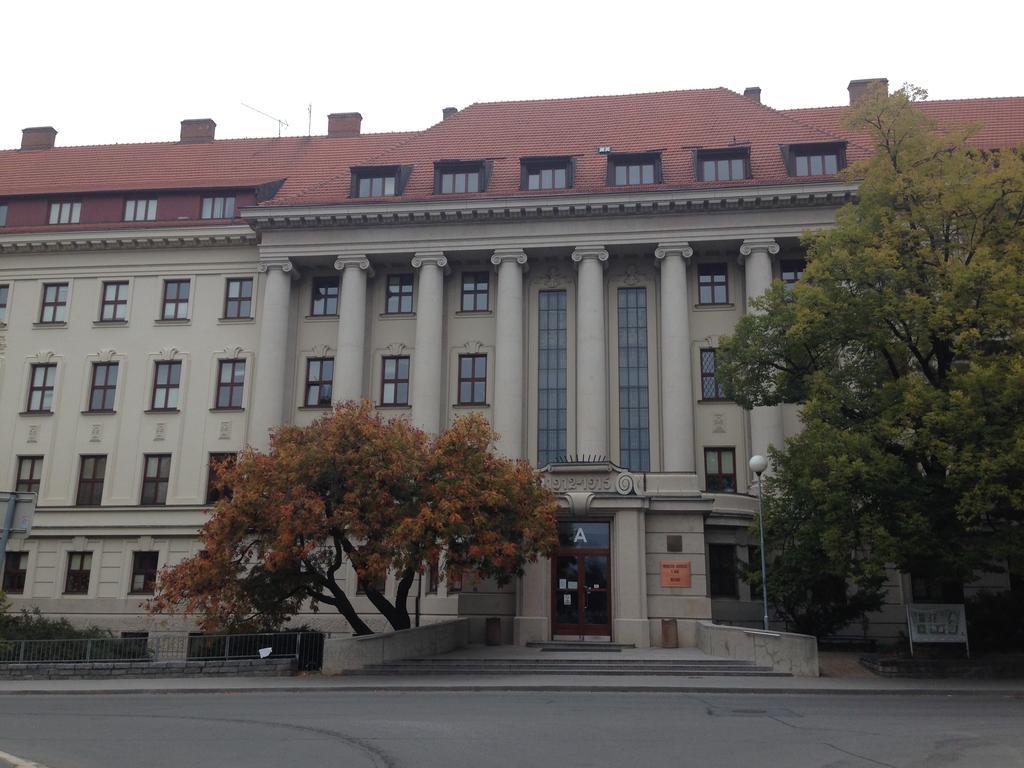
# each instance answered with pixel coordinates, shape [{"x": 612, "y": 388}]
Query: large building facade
[{"x": 566, "y": 268}]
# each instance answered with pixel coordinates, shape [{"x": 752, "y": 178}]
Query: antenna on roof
[
  {"x": 309, "y": 125},
  {"x": 280, "y": 123}
]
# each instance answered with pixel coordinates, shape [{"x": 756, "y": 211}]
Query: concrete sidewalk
[{"x": 592, "y": 683}]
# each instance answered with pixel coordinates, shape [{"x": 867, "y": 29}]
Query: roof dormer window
[
  {"x": 454, "y": 178},
  {"x": 815, "y": 159},
  {"x": 65, "y": 212},
  {"x": 633, "y": 169},
  {"x": 539, "y": 173},
  {"x": 722, "y": 164},
  {"x": 381, "y": 181}
]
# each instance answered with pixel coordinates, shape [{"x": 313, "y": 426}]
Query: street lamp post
[{"x": 758, "y": 464}]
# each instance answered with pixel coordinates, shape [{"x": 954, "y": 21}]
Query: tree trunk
[
  {"x": 340, "y": 601},
  {"x": 402, "y": 595},
  {"x": 388, "y": 611}
]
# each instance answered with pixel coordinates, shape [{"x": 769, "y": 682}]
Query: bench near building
[{"x": 565, "y": 267}]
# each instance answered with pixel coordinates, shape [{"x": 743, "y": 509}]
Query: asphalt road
[{"x": 450, "y": 729}]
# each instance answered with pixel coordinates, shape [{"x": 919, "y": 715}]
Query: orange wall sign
[{"x": 676, "y": 573}]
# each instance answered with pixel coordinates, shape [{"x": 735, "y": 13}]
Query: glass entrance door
[{"x": 581, "y": 585}]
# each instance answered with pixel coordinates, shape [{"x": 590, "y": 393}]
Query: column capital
[
  {"x": 758, "y": 245},
  {"x": 518, "y": 255},
  {"x": 285, "y": 265},
  {"x": 430, "y": 258},
  {"x": 359, "y": 262},
  {"x": 590, "y": 252},
  {"x": 669, "y": 249}
]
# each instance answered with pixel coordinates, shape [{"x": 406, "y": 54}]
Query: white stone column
[
  {"x": 591, "y": 353},
  {"x": 676, "y": 359},
  {"x": 351, "y": 350},
  {"x": 508, "y": 354},
  {"x": 756, "y": 257},
  {"x": 429, "y": 368},
  {"x": 271, "y": 363}
]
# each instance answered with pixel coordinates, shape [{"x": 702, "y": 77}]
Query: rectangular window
[
  {"x": 155, "y": 477},
  {"x": 399, "y": 295},
  {"x": 634, "y": 169},
  {"x": 634, "y": 405},
  {"x": 319, "y": 381},
  {"x": 238, "y": 298},
  {"x": 166, "y": 386},
  {"x": 5, "y": 297},
  {"x": 722, "y": 573},
  {"x": 433, "y": 576},
  {"x": 791, "y": 270},
  {"x": 15, "y": 568},
  {"x": 175, "y": 302},
  {"x": 90, "y": 481},
  {"x": 458, "y": 178},
  {"x": 30, "y": 474},
  {"x": 472, "y": 379},
  {"x": 376, "y": 183},
  {"x": 713, "y": 284},
  {"x": 549, "y": 173},
  {"x": 394, "y": 382},
  {"x": 79, "y": 568},
  {"x": 816, "y": 159},
  {"x": 65, "y": 212},
  {"x": 217, "y": 464},
  {"x": 41, "y": 385},
  {"x": 230, "y": 383},
  {"x": 754, "y": 566},
  {"x": 552, "y": 359},
  {"x": 475, "y": 291},
  {"x": 710, "y": 388},
  {"x": 114, "y": 307},
  {"x": 144, "y": 567},
  {"x": 325, "y": 296},
  {"x": 55, "y": 303},
  {"x": 720, "y": 470},
  {"x": 103, "y": 386},
  {"x": 3, "y": 215},
  {"x": 221, "y": 207},
  {"x": 140, "y": 210},
  {"x": 932, "y": 588},
  {"x": 722, "y": 166}
]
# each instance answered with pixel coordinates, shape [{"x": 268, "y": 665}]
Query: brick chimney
[
  {"x": 753, "y": 93},
  {"x": 861, "y": 88},
  {"x": 38, "y": 138},
  {"x": 447, "y": 112},
  {"x": 197, "y": 131},
  {"x": 344, "y": 125}
]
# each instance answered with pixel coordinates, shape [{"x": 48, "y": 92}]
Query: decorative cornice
[
  {"x": 518, "y": 255},
  {"x": 758, "y": 245},
  {"x": 435, "y": 258},
  {"x": 681, "y": 248},
  {"x": 115, "y": 240},
  {"x": 358, "y": 262}
]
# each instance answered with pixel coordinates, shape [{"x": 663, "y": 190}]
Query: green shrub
[{"x": 995, "y": 621}]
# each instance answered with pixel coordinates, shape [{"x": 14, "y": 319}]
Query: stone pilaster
[
  {"x": 271, "y": 364},
  {"x": 591, "y": 353},
  {"x": 676, "y": 359},
  {"x": 508, "y": 363},
  {"x": 428, "y": 364},
  {"x": 351, "y": 349}
]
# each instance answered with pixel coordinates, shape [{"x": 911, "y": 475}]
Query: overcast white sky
[{"x": 103, "y": 71}]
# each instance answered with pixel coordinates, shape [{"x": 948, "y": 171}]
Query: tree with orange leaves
[{"x": 378, "y": 492}]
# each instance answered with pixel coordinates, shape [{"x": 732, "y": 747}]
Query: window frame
[
  {"x": 32, "y": 481},
  {"x": 406, "y": 280},
  {"x": 146, "y": 204},
  {"x": 237, "y": 302},
  {"x": 78, "y": 573},
  {"x": 472, "y": 380},
  {"x": 89, "y": 492},
  {"x": 457, "y": 168},
  {"x": 57, "y": 305},
  {"x": 530, "y": 166},
  {"x": 396, "y": 381},
  {"x": 231, "y": 386},
  {"x": 715, "y": 156},
  {"x": 320, "y": 383},
  {"x": 633, "y": 159},
  {"x": 48, "y": 386},
  {"x": 228, "y": 206},
  {"x": 118, "y": 304},
  {"x": 710, "y": 376},
  {"x": 710, "y": 269},
  {"x": 72, "y": 207},
  {"x": 370, "y": 174},
  {"x": 106, "y": 390},
  {"x": 3, "y": 214},
  {"x": 5, "y": 301},
  {"x": 788, "y": 283},
  {"x": 155, "y": 486},
  {"x": 12, "y": 580},
  {"x": 474, "y": 291},
  {"x": 166, "y": 387},
  {"x": 180, "y": 305},
  {"x": 141, "y": 569},
  {"x": 722, "y": 477},
  {"x": 331, "y": 282},
  {"x": 793, "y": 153},
  {"x": 633, "y": 378}
]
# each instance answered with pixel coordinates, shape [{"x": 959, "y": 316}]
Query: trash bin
[
  {"x": 669, "y": 633},
  {"x": 492, "y": 630}
]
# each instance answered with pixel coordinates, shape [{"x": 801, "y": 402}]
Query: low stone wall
[
  {"x": 346, "y": 653},
  {"x": 92, "y": 670},
  {"x": 782, "y": 651}
]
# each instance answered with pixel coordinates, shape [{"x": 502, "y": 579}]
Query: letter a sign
[{"x": 579, "y": 536}]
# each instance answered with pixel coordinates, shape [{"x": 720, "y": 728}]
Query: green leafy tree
[{"x": 903, "y": 343}]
